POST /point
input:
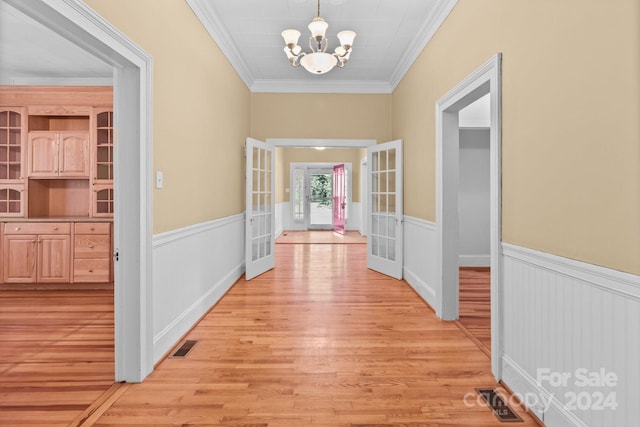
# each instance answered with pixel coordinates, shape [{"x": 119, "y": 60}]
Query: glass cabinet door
[
  {"x": 104, "y": 146},
  {"x": 12, "y": 132}
]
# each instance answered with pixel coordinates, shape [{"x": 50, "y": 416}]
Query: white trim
[
  {"x": 308, "y": 166},
  {"x": 419, "y": 246},
  {"x": 424, "y": 36},
  {"x": 221, "y": 38},
  {"x": 486, "y": 79},
  {"x": 219, "y": 33},
  {"x": 328, "y": 143},
  {"x": 624, "y": 284},
  {"x": 193, "y": 271},
  {"x": 475, "y": 260},
  {"x": 326, "y": 86},
  {"x": 61, "y": 81},
  {"x": 133, "y": 86},
  {"x": 167, "y": 237},
  {"x": 562, "y": 315},
  {"x": 527, "y": 387}
]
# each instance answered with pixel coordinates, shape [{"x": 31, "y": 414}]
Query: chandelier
[{"x": 318, "y": 61}]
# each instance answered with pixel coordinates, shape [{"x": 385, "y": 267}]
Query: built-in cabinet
[{"x": 56, "y": 174}]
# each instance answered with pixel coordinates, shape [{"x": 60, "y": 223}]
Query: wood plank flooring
[
  {"x": 56, "y": 354},
  {"x": 321, "y": 237},
  {"x": 319, "y": 341},
  {"x": 475, "y": 304}
]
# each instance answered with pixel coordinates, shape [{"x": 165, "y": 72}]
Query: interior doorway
[
  {"x": 485, "y": 80},
  {"x": 132, "y": 85},
  {"x": 316, "y": 195}
]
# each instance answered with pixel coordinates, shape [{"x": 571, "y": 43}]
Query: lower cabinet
[
  {"x": 56, "y": 252},
  {"x": 92, "y": 252},
  {"x": 37, "y": 252}
]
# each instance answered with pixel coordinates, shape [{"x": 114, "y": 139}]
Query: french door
[
  {"x": 260, "y": 220},
  {"x": 384, "y": 208},
  {"x": 339, "y": 199}
]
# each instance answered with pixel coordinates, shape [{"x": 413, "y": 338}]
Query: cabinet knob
[
  {"x": 17, "y": 228},
  {"x": 91, "y": 270},
  {"x": 55, "y": 228},
  {"x": 91, "y": 228},
  {"x": 90, "y": 246}
]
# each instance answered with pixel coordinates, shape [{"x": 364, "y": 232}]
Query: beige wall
[
  {"x": 311, "y": 155},
  {"x": 201, "y": 112},
  {"x": 327, "y": 116},
  {"x": 571, "y": 102}
]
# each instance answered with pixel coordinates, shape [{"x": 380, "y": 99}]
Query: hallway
[{"x": 320, "y": 340}]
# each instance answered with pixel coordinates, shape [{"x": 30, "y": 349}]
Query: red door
[{"x": 339, "y": 199}]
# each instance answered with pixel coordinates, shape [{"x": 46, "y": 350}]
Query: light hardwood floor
[
  {"x": 475, "y": 304},
  {"x": 321, "y": 341},
  {"x": 56, "y": 354}
]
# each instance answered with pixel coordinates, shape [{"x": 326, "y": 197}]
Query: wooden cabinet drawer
[
  {"x": 91, "y": 270},
  {"x": 93, "y": 227},
  {"x": 37, "y": 228},
  {"x": 92, "y": 246}
]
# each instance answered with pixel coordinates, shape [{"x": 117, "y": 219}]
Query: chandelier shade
[{"x": 318, "y": 61}]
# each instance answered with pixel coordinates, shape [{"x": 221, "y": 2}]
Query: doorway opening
[
  {"x": 321, "y": 197},
  {"x": 486, "y": 80},
  {"x": 132, "y": 87}
]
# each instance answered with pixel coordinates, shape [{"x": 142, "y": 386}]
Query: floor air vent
[
  {"x": 184, "y": 349},
  {"x": 497, "y": 404}
]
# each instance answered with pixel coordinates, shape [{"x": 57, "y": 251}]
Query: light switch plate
[{"x": 159, "y": 179}]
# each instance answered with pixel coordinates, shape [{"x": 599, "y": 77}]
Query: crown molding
[
  {"x": 424, "y": 36},
  {"x": 218, "y": 32},
  {"x": 336, "y": 86},
  {"x": 57, "y": 81}
]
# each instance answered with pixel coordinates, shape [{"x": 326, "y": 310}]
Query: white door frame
[
  {"x": 364, "y": 203},
  {"x": 132, "y": 85},
  {"x": 328, "y": 143},
  {"x": 309, "y": 166},
  {"x": 486, "y": 79}
]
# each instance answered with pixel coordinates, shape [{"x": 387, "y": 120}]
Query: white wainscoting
[
  {"x": 283, "y": 217},
  {"x": 192, "y": 269},
  {"x": 561, "y": 315},
  {"x": 419, "y": 258},
  {"x": 355, "y": 217}
]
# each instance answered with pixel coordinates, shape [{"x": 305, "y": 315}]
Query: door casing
[{"x": 486, "y": 79}]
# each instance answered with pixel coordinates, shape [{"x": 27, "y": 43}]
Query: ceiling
[
  {"x": 390, "y": 35},
  {"x": 30, "y": 53}
]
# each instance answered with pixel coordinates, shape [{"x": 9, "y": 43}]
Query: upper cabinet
[
  {"x": 59, "y": 154},
  {"x": 56, "y": 152},
  {"x": 13, "y": 128}
]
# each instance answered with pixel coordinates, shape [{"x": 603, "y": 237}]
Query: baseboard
[
  {"x": 475, "y": 260},
  {"x": 539, "y": 401},
  {"x": 419, "y": 285}
]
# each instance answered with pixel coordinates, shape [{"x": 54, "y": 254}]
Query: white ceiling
[
  {"x": 30, "y": 53},
  {"x": 390, "y": 35}
]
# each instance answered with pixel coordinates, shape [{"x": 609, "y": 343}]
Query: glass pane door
[
  {"x": 260, "y": 220},
  {"x": 385, "y": 208}
]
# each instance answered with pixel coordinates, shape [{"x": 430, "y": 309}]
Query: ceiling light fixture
[{"x": 318, "y": 61}]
